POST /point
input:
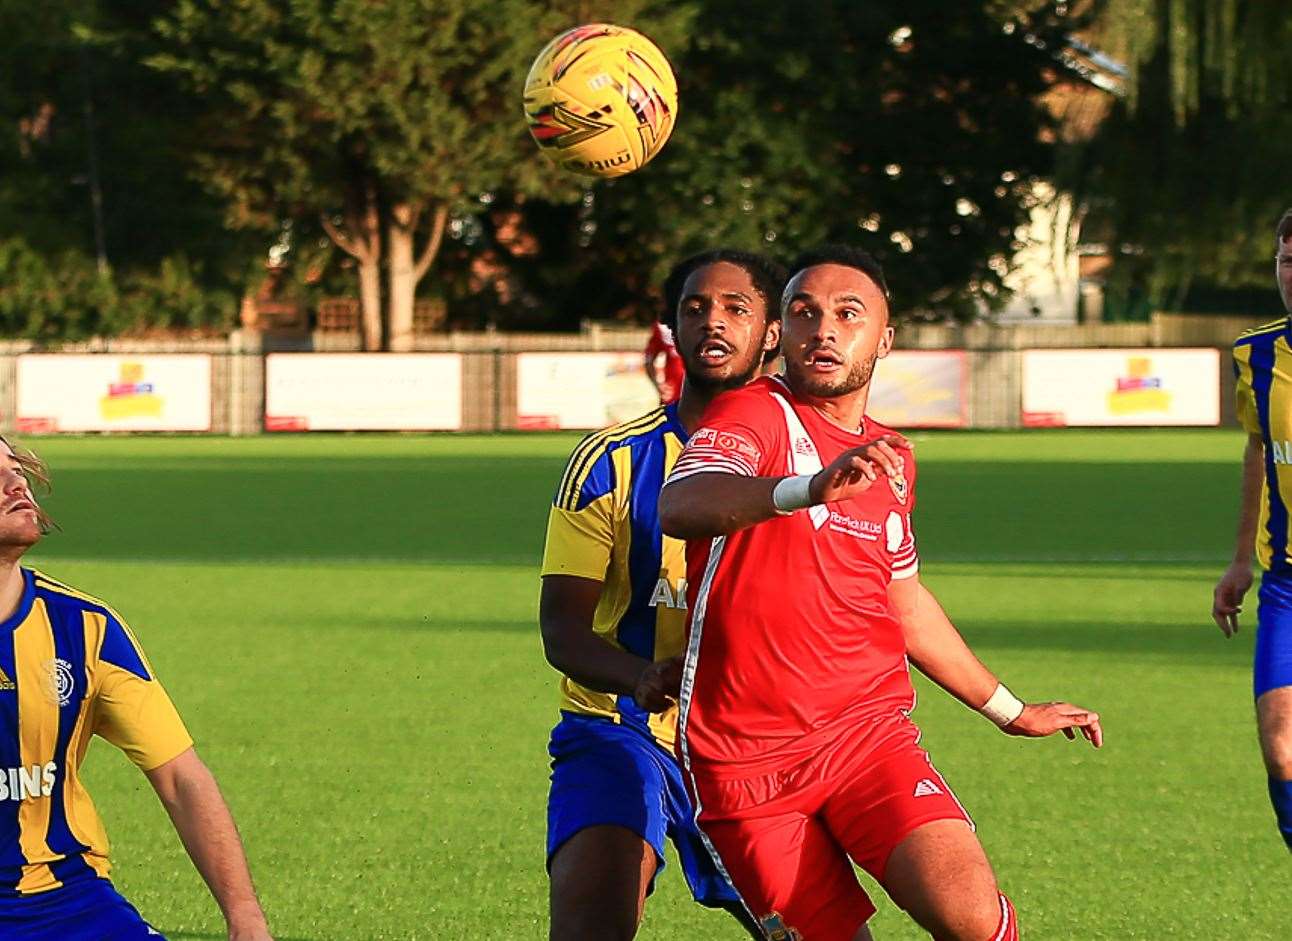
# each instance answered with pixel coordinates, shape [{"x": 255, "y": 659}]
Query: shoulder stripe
[
  {"x": 49, "y": 584},
  {"x": 592, "y": 447},
  {"x": 612, "y": 436},
  {"x": 1273, "y": 327},
  {"x": 582, "y": 451}
]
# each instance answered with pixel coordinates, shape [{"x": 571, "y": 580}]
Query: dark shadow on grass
[{"x": 1196, "y": 643}]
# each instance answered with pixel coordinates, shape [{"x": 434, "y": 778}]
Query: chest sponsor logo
[
  {"x": 851, "y": 526},
  {"x": 1282, "y": 451},
  {"x": 666, "y": 596},
  {"x": 20, "y": 784},
  {"x": 59, "y": 683}
]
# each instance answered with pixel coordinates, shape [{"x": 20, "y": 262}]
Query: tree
[
  {"x": 380, "y": 119},
  {"x": 912, "y": 127},
  {"x": 93, "y": 161},
  {"x": 1181, "y": 179}
]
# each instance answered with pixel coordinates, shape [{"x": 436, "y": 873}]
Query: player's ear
[
  {"x": 885, "y": 343},
  {"x": 772, "y": 336}
]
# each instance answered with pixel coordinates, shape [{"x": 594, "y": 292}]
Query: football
[{"x": 600, "y": 100}]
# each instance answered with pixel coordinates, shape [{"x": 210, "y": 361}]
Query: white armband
[
  {"x": 1003, "y": 707},
  {"x": 792, "y": 493}
]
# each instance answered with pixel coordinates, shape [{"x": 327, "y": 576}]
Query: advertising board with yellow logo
[
  {"x": 1121, "y": 387},
  {"x": 113, "y": 392}
]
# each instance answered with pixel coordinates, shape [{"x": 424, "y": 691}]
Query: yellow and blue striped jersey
[
  {"x": 604, "y": 525},
  {"x": 1263, "y": 365},
  {"x": 70, "y": 668}
]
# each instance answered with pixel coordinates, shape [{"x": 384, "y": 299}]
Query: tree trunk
[
  {"x": 407, "y": 267},
  {"x": 361, "y": 239},
  {"x": 403, "y": 282},
  {"x": 370, "y": 303}
]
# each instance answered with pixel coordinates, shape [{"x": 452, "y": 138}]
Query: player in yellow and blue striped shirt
[
  {"x": 613, "y": 617},
  {"x": 1263, "y": 363},
  {"x": 71, "y": 669}
]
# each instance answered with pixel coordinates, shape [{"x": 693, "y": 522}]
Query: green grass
[{"x": 347, "y": 625}]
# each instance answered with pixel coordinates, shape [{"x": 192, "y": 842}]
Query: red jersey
[
  {"x": 792, "y": 639},
  {"x": 661, "y": 341}
]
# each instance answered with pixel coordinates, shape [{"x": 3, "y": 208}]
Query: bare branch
[
  {"x": 432, "y": 247},
  {"x": 344, "y": 242}
]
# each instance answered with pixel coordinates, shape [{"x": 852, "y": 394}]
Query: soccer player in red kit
[
  {"x": 806, "y": 604},
  {"x": 667, "y": 381}
]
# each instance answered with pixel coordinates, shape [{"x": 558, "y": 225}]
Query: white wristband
[
  {"x": 1003, "y": 707},
  {"x": 791, "y": 493}
]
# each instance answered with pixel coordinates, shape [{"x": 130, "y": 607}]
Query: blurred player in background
[
  {"x": 70, "y": 668},
  {"x": 794, "y": 729},
  {"x": 668, "y": 379},
  {"x": 1263, "y": 362},
  {"x": 613, "y": 612}
]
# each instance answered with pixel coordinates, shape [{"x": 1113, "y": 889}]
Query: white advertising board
[
  {"x": 920, "y": 389},
  {"x": 580, "y": 390},
  {"x": 113, "y": 392},
  {"x": 363, "y": 392},
  {"x": 1121, "y": 387}
]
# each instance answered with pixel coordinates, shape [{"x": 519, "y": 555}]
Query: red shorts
[{"x": 785, "y": 839}]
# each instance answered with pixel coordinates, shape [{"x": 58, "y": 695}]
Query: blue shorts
[
  {"x": 604, "y": 773},
  {"x": 1273, "y": 634},
  {"x": 88, "y": 909}
]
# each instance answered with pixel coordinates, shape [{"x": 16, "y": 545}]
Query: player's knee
[{"x": 1276, "y": 749}]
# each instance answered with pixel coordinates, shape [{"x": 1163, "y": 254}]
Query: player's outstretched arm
[
  {"x": 939, "y": 652},
  {"x": 192, "y": 798},
  {"x": 1227, "y": 599},
  {"x": 705, "y": 505},
  {"x": 566, "y": 606}
]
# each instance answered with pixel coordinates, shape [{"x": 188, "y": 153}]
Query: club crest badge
[
  {"x": 58, "y": 681},
  {"x": 899, "y": 485}
]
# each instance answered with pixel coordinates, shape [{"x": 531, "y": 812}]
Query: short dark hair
[
  {"x": 769, "y": 278},
  {"x": 845, "y": 255},
  {"x": 1284, "y": 229}
]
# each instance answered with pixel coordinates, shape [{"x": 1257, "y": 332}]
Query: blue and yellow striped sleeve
[
  {"x": 131, "y": 709},
  {"x": 581, "y": 522},
  {"x": 1244, "y": 393}
]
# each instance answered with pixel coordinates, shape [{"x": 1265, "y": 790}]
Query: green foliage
[
  {"x": 309, "y": 100},
  {"x": 910, "y": 127},
  {"x": 52, "y": 298},
  {"x": 1229, "y": 50},
  {"x": 65, "y": 297},
  {"x": 80, "y": 114},
  {"x": 173, "y": 297},
  {"x": 1206, "y": 222}
]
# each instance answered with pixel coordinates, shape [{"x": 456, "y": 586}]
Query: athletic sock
[{"x": 1281, "y": 798}]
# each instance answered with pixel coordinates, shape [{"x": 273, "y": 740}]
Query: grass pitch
[{"x": 348, "y": 626}]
